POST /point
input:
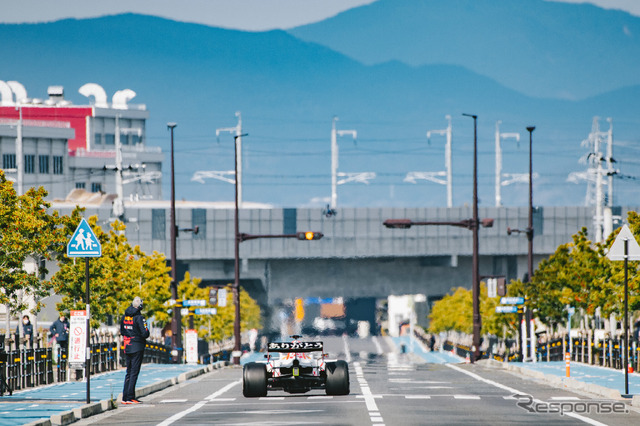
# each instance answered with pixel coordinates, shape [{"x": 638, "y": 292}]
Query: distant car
[{"x": 295, "y": 367}]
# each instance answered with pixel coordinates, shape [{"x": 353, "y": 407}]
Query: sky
[{"x": 250, "y": 15}]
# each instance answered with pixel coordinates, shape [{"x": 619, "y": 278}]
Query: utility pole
[
  {"x": 19, "y": 154},
  {"x": 595, "y": 174},
  {"x": 118, "y": 204},
  {"x": 200, "y": 175},
  {"x": 238, "y": 152},
  {"x": 610, "y": 170},
  {"x": 433, "y": 176},
  {"x": 362, "y": 177},
  {"x": 499, "y": 182}
]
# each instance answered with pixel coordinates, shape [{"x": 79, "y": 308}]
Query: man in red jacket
[{"x": 134, "y": 330}]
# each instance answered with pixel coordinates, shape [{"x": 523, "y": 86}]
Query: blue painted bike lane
[
  {"x": 435, "y": 357},
  {"x": 591, "y": 374},
  {"x": 28, "y": 405}
]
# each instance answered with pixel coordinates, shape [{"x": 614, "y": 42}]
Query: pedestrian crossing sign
[{"x": 84, "y": 242}]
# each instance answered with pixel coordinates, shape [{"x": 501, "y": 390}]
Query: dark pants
[{"x": 134, "y": 361}]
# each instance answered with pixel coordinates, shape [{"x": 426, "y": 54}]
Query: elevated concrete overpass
[{"x": 358, "y": 257}]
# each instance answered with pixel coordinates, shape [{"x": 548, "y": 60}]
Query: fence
[
  {"x": 605, "y": 352},
  {"x": 30, "y": 367}
]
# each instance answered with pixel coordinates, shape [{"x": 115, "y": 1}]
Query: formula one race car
[{"x": 295, "y": 367}]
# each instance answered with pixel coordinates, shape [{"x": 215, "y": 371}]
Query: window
[
  {"x": 96, "y": 187},
  {"x": 80, "y": 185},
  {"x": 8, "y": 161},
  {"x": 30, "y": 163},
  {"x": 58, "y": 169},
  {"x": 158, "y": 224},
  {"x": 98, "y": 138},
  {"x": 199, "y": 219},
  {"x": 43, "y": 164},
  {"x": 124, "y": 139},
  {"x": 135, "y": 139},
  {"x": 109, "y": 139}
]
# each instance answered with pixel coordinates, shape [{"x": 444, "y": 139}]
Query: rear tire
[
  {"x": 337, "y": 378},
  {"x": 254, "y": 380}
]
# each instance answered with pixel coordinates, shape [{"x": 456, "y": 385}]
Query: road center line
[
  {"x": 369, "y": 399},
  {"x": 199, "y": 405},
  {"x": 515, "y": 391}
]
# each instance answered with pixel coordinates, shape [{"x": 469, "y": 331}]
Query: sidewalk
[
  {"x": 602, "y": 381},
  {"x": 61, "y": 401}
]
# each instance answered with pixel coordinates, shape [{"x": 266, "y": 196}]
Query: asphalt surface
[{"x": 388, "y": 387}]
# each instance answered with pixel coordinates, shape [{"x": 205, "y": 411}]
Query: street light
[
  {"x": 176, "y": 320},
  {"x": 237, "y": 349},
  {"x": 240, "y": 237},
  {"x": 529, "y": 233},
  {"x": 477, "y": 320}
]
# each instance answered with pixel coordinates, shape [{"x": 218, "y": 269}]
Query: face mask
[{"x": 25, "y": 321}]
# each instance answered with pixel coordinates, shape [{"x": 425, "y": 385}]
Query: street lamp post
[
  {"x": 529, "y": 233},
  {"x": 237, "y": 349},
  {"x": 477, "y": 319},
  {"x": 176, "y": 320},
  {"x": 471, "y": 224}
]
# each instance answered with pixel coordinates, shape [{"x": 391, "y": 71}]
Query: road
[{"x": 387, "y": 388}]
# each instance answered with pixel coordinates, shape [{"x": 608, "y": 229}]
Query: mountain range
[{"x": 378, "y": 69}]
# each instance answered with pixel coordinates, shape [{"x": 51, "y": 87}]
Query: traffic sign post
[
  {"x": 509, "y": 309},
  {"x": 625, "y": 248},
  {"x": 84, "y": 243}
]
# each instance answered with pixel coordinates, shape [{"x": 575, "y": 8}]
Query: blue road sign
[
  {"x": 84, "y": 242},
  {"x": 205, "y": 311},
  {"x": 508, "y": 309},
  {"x": 194, "y": 302},
  {"x": 512, "y": 300}
]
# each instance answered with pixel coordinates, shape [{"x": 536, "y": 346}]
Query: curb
[
  {"x": 559, "y": 382},
  {"x": 88, "y": 410}
]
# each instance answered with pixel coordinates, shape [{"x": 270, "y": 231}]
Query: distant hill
[
  {"x": 540, "y": 48},
  {"x": 288, "y": 90}
]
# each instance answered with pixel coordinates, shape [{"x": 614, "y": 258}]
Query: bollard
[{"x": 567, "y": 359}]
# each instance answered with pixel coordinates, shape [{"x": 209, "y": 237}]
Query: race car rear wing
[{"x": 295, "y": 347}]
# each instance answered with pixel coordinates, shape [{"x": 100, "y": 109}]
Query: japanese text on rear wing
[{"x": 295, "y": 346}]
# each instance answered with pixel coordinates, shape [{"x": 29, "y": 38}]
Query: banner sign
[
  {"x": 191, "y": 344},
  {"x": 77, "y": 338}
]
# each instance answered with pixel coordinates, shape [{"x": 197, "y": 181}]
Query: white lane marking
[
  {"x": 417, "y": 397},
  {"x": 378, "y": 345},
  {"x": 372, "y": 395},
  {"x": 347, "y": 352},
  {"x": 369, "y": 399},
  {"x": 565, "y": 398},
  {"x": 321, "y": 397},
  {"x": 169, "y": 401},
  {"x": 466, "y": 397},
  {"x": 223, "y": 390},
  {"x": 271, "y": 398},
  {"x": 223, "y": 399},
  {"x": 515, "y": 391},
  {"x": 199, "y": 405}
]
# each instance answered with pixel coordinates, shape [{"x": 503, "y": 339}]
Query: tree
[
  {"x": 115, "y": 278},
  {"x": 27, "y": 231},
  {"x": 454, "y": 312},
  {"x": 222, "y": 323}
]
